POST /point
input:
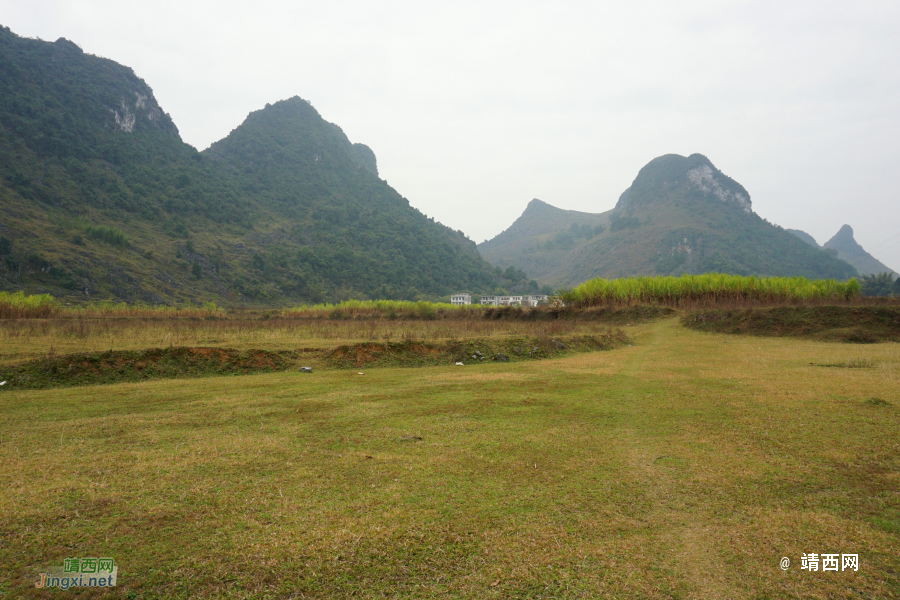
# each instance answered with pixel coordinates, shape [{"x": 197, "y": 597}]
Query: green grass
[{"x": 684, "y": 466}]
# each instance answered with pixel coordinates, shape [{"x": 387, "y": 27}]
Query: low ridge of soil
[
  {"x": 163, "y": 363},
  {"x": 137, "y": 365},
  {"x": 471, "y": 351},
  {"x": 637, "y": 313},
  {"x": 851, "y": 324}
]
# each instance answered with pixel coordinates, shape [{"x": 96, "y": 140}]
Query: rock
[
  {"x": 558, "y": 344},
  {"x": 305, "y": 369},
  {"x": 459, "y": 364},
  {"x": 501, "y": 357},
  {"x": 518, "y": 351}
]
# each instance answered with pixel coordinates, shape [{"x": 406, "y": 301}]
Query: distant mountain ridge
[
  {"x": 99, "y": 197},
  {"x": 681, "y": 214},
  {"x": 844, "y": 245}
]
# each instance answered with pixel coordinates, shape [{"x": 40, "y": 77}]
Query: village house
[
  {"x": 460, "y": 299},
  {"x": 529, "y": 301},
  {"x": 534, "y": 299}
]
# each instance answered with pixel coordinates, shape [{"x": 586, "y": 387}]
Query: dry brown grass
[
  {"x": 683, "y": 467},
  {"x": 24, "y": 339}
]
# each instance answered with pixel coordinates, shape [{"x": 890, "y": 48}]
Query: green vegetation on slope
[
  {"x": 848, "y": 249},
  {"x": 680, "y": 215},
  {"x": 101, "y": 198},
  {"x": 343, "y": 220}
]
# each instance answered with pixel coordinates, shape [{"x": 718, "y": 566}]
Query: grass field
[{"x": 684, "y": 466}]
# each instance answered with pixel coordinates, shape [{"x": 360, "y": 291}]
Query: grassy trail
[{"x": 685, "y": 466}]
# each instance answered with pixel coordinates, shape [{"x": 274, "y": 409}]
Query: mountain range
[
  {"x": 844, "y": 246},
  {"x": 680, "y": 215},
  {"x": 100, "y": 197}
]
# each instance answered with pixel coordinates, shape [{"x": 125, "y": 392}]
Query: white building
[
  {"x": 534, "y": 299},
  {"x": 460, "y": 299}
]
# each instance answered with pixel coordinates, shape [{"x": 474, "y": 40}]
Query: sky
[{"x": 475, "y": 108}]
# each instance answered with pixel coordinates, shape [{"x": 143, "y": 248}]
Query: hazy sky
[{"x": 475, "y": 108}]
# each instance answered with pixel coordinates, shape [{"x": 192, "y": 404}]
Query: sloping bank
[
  {"x": 852, "y": 324},
  {"x": 472, "y": 351},
  {"x": 138, "y": 365},
  {"x": 123, "y": 366}
]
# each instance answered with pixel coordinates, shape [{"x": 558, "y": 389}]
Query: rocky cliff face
[
  {"x": 673, "y": 177},
  {"x": 129, "y": 102},
  {"x": 708, "y": 181}
]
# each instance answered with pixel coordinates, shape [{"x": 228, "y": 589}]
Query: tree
[{"x": 878, "y": 285}]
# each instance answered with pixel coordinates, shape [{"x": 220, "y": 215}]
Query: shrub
[
  {"x": 621, "y": 223},
  {"x": 108, "y": 235}
]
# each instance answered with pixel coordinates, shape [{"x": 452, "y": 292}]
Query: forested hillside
[
  {"x": 101, "y": 198},
  {"x": 680, "y": 215}
]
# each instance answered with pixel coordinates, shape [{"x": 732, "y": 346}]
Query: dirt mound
[
  {"x": 638, "y": 313},
  {"x": 137, "y": 365},
  {"x": 416, "y": 354},
  {"x": 852, "y": 324}
]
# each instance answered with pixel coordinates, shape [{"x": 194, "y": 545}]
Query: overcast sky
[{"x": 475, "y": 108}]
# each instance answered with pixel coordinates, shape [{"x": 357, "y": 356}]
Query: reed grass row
[
  {"x": 386, "y": 309},
  {"x": 709, "y": 288},
  {"x": 17, "y": 305}
]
